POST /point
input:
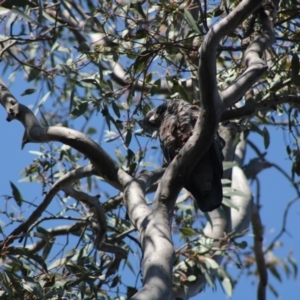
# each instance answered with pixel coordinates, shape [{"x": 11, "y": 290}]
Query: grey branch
[
  {"x": 251, "y": 107},
  {"x": 255, "y": 65},
  {"x": 156, "y": 240}
]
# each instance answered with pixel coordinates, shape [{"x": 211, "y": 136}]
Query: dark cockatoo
[{"x": 174, "y": 121}]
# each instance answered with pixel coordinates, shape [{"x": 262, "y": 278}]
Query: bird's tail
[{"x": 204, "y": 183}]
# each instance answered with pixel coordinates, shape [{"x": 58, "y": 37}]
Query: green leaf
[
  {"x": 119, "y": 156},
  {"x": 33, "y": 74},
  {"x": 28, "y": 92},
  {"x": 130, "y": 156},
  {"x": 128, "y": 138},
  {"x": 139, "y": 65},
  {"x": 88, "y": 26},
  {"x": 88, "y": 80},
  {"x": 296, "y": 166},
  {"x": 210, "y": 263},
  {"x": 25, "y": 16},
  {"x": 109, "y": 82},
  {"x": 188, "y": 231},
  {"x": 58, "y": 263},
  {"x": 115, "y": 281},
  {"x": 228, "y": 165},
  {"x": 266, "y": 137},
  {"x": 139, "y": 9},
  {"x": 91, "y": 130},
  {"x": 32, "y": 287},
  {"x": 155, "y": 87},
  {"x": 225, "y": 181},
  {"x": 84, "y": 47},
  {"x": 226, "y": 284},
  {"x": 272, "y": 289},
  {"x": 191, "y": 278},
  {"x": 66, "y": 69},
  {"x": 116, "y": 109},
  {"x": 241, "y": 245},
  {"x": 293, "y": 262},
  {"x": 16, "y": 194},
  {"x": 79, "y": 110},
  {"x": 228, "y": 191},
  {"x": 225, "y": 281},
  {"x": 274, "y": 272},
  {"x": 47, "y": 248},
  {"x": 190, "y": 20},
  {"x": 67, "y": 8},
  {"x": 27, "y": 254},
  {"x": 229, "y": 203}
]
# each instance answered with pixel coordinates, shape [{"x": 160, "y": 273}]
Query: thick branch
[
  {"x": 156, "y": 240},
  {"x": 256, "y": 66},
  {"x": 79, "y": 141},
  {"x": 251, "y": 107}
]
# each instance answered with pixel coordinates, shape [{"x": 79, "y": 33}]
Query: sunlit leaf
[
  {"x": 228, "y": 191},
  {"x": 226, "y": 283},
  {"x": 188, "y": 231},
  {"x": 22, "y": 14},
  {"x": 191, "y": 278},
  {"x": 189, "y": 18},
  {"x": 229, "y": 203},
  {"x": 211, "y": 263},
  {"x": 228, "y": 165}
]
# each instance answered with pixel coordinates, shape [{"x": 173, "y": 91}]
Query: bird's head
[{"x": 153, "y": 118}]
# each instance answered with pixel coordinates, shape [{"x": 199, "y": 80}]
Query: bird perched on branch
[{"x": 174, "y": 121}]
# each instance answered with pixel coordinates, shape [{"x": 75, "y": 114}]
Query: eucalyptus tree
[{"x": 99, "y": 67}]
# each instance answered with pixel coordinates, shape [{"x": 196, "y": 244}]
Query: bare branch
[{"x": 259, "y": 255}]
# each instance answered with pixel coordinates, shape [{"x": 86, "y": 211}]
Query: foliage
[{"x": 90, "y": 61}]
